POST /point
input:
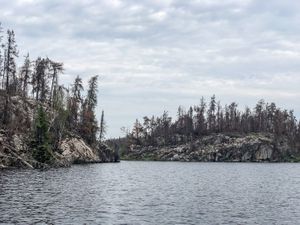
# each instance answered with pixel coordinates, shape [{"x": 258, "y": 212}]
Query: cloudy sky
[{"x": 154, "y": 55}]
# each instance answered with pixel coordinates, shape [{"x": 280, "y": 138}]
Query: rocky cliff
[
  {"x": 15, "y": 153},
  {"x": 220, "y": 148},
  {"x": 14, "y": 141}
]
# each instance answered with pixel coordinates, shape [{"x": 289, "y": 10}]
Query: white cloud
[
  {"x": 158, "y": 16},
  {"x": 113, "y": 3}
]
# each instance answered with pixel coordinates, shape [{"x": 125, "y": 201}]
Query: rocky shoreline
[
  {"x": 15, "y": 153},
  {"x": 15, "y": 150},
  {"x": 220, "y": 148}
]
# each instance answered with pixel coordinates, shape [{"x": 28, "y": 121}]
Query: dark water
[{"x": 153, "y": 193}]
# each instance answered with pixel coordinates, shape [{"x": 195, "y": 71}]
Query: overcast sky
[{"x": 155, "y": 55}]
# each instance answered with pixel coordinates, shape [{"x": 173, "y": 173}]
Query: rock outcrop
[
  {"x": 220, "y": 148},
  {"x": 14, "y": 141},
  {"x": 75, "y": 151},
  {"x": 15, "y": 153}
]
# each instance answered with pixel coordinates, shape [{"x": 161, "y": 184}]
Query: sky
[{"x": 154, "y": 55}]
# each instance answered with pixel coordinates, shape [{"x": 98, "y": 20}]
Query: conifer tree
[
  {"x": 271, "y": 109},
  {"x": 59, "y": 122},
  {"x": 233, "y": 115},
  {"x": 102, "y": 128},
  {"x": 137, "y": 130},
  {"x": 146, "y": 129},
  {"x": 74, "y": 103},
  {"x": 189, "y": 129},
  {"x": 200, "y": 122},
  {"x": 25, "y": 75},
  {"x": 40, "y": 80},
  {"x": 88, "y": 123},
  {"x": 11, "y": 53},
  {"x": 211, "y": 117},
  {"x": 92, "y": 93},
  {"x": 219, "y": 118},
  {"x": 9, "y": 73},
  {"x": 55, "y": 68},
  {"x": 40, "y": 144}
]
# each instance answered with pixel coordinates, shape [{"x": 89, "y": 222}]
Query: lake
[{"x": 153, "y": 193}]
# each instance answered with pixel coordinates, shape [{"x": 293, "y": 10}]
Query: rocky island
[
  {"x": 213, "y": 133},
  {"x": 220, "y": 148}
]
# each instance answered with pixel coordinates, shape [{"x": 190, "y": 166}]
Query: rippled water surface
[{"x": 153, "y": 193}]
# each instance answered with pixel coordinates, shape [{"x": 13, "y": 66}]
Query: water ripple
[{"x": 153, "y": 193}]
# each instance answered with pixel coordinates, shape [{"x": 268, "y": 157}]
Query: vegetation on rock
[
  {"x": 32, "y": 101},
  {"x": 206, "y": 120}
]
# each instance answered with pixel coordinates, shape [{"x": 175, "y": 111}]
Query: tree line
[
  {"x": 212, "y": 117},
  {"x": 59, "y": 111}
]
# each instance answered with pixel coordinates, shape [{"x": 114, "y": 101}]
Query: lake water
[{"x": 153, "y": 193}]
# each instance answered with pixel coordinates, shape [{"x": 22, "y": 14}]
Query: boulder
[{"x": 75, "y": 150}]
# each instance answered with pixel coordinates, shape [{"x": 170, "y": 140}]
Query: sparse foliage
[
  {"x": 59, "y": 112},
  {"x": 198, "y": 121}
]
